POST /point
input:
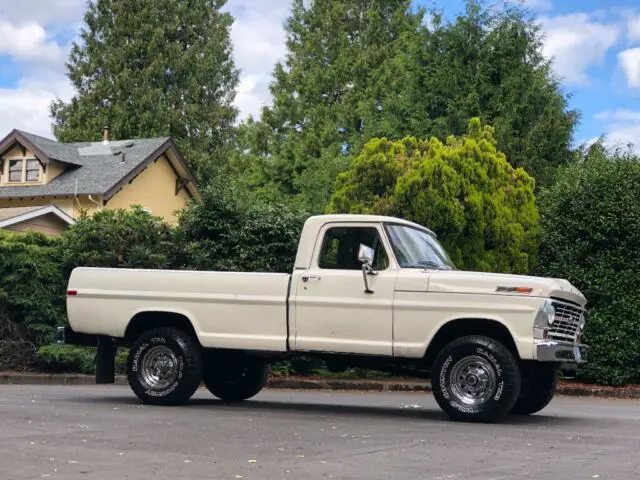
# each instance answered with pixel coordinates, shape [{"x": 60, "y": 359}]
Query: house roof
[
  {"x": 14, "y": 215},
  {"x": 93, "y": 168}
]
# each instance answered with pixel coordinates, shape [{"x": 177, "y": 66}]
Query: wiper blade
[{"x": 430, "y": 264}]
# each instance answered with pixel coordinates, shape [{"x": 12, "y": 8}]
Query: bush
[
  {"x": 32, "y": 291},
  {"x": 482, "y": 209},
  {"x": 591, "y": 222},
  {"x": 73, "y": 359},
  {"x": 227, "y": 232},
  {"x": 119, "y": 238}
]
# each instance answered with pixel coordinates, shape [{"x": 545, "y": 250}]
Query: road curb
[{"x": 335, "y": 384}]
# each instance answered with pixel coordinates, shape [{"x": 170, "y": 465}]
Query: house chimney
[{"x": 105, "y": 135}]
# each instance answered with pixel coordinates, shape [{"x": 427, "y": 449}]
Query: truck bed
[{"x": 226, "y": 309}]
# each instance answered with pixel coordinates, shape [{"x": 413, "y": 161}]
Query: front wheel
[
  {"x": 164, "y": 366},
  {"x": 234, "y": 376},
  {"x": 476, "y": 378}
]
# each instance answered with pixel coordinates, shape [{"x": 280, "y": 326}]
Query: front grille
[{"x": 567, "y": 322}]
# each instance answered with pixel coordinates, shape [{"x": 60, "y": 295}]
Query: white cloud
[
  {"x": 621, "y": 127},
  {"x": 630, "y": 62},
  {"x": 537, "y": 5},
  {"x": 27, "y": 106},
  {"x": 42, "y": 12},
  {"x": 259, "y": 42},
  {"x": 576, "y": 42},
  {"x": 28, "y": 42},
  {"x": 633, "y": 27}
]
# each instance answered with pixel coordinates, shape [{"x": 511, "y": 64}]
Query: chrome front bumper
[{"x": 557, "y": 351}]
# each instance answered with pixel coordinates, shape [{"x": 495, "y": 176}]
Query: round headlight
[
  {"x": 551, "y": 313},
  {"x": 583, "y": 321}
]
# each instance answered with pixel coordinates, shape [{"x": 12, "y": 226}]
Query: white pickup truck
[{"x": 367, "y": 291}]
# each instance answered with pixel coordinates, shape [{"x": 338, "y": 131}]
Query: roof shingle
[{"x": 94, "y": 168}]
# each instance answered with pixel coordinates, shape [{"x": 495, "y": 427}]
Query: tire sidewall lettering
[
  {"x": 494, "y": 361},
  {"x": 443, "y": 377},
  {"x": 137, "y": 355}
]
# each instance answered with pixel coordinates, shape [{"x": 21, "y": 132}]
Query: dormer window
[
  {"x": 15, "y": 171},
  {"x": 32, "y": 170},
  {"x": 24, "y": 170}
]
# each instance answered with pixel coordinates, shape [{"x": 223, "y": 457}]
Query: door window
[{"x": 340, "y": 248}]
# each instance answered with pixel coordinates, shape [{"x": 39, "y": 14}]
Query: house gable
[
  {"x": 154, "y": 188},
  {"x": 86, "y": 176},
  {"x": 47, "y": 219}
]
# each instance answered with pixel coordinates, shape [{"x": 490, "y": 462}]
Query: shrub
[
  {"x": 119, "y": 238},
  {"x": 227, "y": 232},
  {"x": 73, "y": 359},
  {"x": 591, "y": 222},
  {"x": 482, "y": 209},
  {"x": 32, "y": 291}
]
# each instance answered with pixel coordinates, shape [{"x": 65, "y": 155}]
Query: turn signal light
[{"x": 515, "y": 289}]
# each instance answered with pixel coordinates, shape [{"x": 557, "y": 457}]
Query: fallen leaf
[
  {"x": 253, "y": 461},
  {"x": 187, "y": 461}
]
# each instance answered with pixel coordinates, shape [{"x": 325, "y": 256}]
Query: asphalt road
[{"x": 79, "y": 432}]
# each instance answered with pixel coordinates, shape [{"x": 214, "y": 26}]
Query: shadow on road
[{"x": 337, "y": 409}]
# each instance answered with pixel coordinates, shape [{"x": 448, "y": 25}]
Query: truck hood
[{"x": 487, "y": 284}]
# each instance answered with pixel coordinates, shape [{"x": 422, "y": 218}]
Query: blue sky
[{"x": 594, "y": 44}]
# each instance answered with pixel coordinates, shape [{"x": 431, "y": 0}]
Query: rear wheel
[
  {"x": 164, "y": 366},
  {"x": 234, "y": 376},
  {"x": 538, "y": 391},
  {"x": 476, "y": 378}
]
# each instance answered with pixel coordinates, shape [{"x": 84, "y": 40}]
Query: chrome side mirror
[{"x": 365, "y": 256}]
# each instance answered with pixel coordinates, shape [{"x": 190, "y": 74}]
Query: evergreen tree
[
  {"x": 331, "y": 93},
  {"x": 490, "y": 64},
  {"x": 362, "y": 69},
  {"x": 482, "y": 209},
  {"x": 153, "y": 68}
]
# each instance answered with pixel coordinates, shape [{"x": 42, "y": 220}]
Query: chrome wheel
[
  {"x": 473, "y": 380},
  {"x": 159, "y": 368}
]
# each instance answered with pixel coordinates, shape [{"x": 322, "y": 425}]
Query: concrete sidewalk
[{"x": 566, "y": 388}]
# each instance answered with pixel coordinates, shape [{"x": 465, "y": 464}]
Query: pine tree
[
  {"x": 154, "y": 68},
  {"x": 332, "y": 92},
  {"x": 489, "y": 64}
]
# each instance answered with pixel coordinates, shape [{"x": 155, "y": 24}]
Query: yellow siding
[
  {"x": 64, "y": 204},
  {"x": 47, "y": 224},
  {"x": 53, "y": 170},
  {"x": 15, "y": 152},
  {"x": 82, "y": 203},
  {"x": 154, "y": 189}
]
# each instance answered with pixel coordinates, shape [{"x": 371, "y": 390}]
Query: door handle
[{"x": 306, "y": 278}]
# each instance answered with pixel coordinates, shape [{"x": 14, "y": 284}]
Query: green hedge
[
  {"x": 72, "y": 359},
  {"x": 591, "y": 222}
]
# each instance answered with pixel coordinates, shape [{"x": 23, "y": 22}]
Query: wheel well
[
  {"x": 144, "y": 321},
  {"x": 469, "y": 326}
]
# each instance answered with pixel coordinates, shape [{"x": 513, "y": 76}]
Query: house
[{"x": 45, "y": 185}]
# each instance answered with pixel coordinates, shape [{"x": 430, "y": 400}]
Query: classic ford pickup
[{"x": 366, "y": 291}]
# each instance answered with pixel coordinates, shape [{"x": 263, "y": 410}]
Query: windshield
[{"x": 416, "y": 248}]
